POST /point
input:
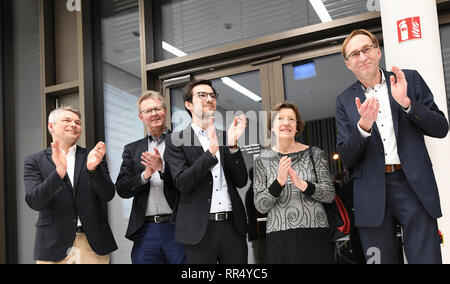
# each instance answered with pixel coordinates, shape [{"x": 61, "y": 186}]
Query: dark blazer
[
  {"x": 191, "y": 170},
  {"x": 129, "y": 185},
  {"x": 59, "y": 204},
  {"x": 366, "y": 156}
]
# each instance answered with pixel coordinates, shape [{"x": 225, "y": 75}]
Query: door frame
[{"x": 2, "y": 168}]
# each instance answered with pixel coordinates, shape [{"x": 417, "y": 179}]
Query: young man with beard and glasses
[
  {"x": 207, "y": 167},
  {"x": 70, "y": 187},
  {"x": 381, "y": 122},
  {"x": 145, "y": 177}
]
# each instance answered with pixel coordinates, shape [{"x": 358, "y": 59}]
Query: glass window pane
[
  {"x": 314, "y": 86},
  {"x": 238, "y": 94},
  {"x": 180, "y": 118},
  {"x": 193, "y": 25},
  {"x": 121, "y": 89}
]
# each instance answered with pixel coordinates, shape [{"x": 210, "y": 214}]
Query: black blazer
[
  {"x": 129, "y": 185},
  {"x": 191, "y": 171},
  {"x": 59, "y": 204}
]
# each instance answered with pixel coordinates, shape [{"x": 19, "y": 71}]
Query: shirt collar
[
  {"x": 72, "y": 150},
  {"x": 199, "y": 131},
  {"x": 161, "y": 137},
  {"x": 383, "y": 81}
]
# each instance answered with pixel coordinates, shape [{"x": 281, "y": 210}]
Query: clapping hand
[
  {"x": 283, "y": 168},
  {"x": 297, "y": 181},
  {"x": 152, "y": 162},
  {"x": 96, "y": 156},
  {"x": 236, "y": 129},
  {"x": 212, "y": 135},
  {"x": 399, "y": 87},
  {"x": 368, "y": 112}
]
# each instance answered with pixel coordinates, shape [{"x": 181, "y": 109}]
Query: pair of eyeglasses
[
  {"x": 365, "y": 50},
  {"x": 204, "y": 95},
  {"x": 151, "y": 110},
  {"x": 290, "y": 120}
]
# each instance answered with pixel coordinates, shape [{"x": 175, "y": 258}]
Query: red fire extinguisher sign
[{"x": 409, "y": 29}]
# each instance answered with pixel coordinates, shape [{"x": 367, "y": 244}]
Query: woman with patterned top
[{"x": 291, "y": 182}]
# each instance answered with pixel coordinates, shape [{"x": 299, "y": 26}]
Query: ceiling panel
[{"x": 193, "y": 25}]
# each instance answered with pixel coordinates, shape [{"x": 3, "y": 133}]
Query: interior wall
[
  {"x": 2, "y": 178},
  {"x": 27, "y": 119},
  {"x": 9, "y": 130}
]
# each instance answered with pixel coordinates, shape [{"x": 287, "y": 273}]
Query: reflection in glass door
[
  {"x": 238, "y": 94},
  {"x": 121, "y": 89},
  {"x": 314, "y": 84}
]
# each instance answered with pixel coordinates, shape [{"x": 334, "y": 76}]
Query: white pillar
[{"x": 409, "y": 45}]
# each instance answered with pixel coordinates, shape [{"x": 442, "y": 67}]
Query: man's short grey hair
[
  {"x": 150, "y": 95},
  {"x": 55, "y": 114}
]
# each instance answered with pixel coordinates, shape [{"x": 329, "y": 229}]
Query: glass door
[
  {"x": 241, "y": 91},
  {"x": 313, "y": 80}
]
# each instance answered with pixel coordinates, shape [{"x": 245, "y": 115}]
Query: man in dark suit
[
  {"x": 382, "y": 120},
  {"x": 144, "y": 176},
  {"x": 211, "y": 221},
  {"x": 70, "y": 187}
]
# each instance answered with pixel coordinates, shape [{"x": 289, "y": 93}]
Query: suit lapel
[
  {"x": 66, "y": 177},
  {"x": 194, "y": 140},
  {"x": 359, "y": 92},
  {"x": 49, "y": 156},
  {"x": 393, "y": 103},
  {"x": 80, "y": 158},
  {"x": 142, "y": 146}
]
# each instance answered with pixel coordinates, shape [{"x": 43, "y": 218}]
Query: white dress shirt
[
  {"x": 384, "y": 121},
  {"x": 157, "y": 203},
  {"x": 70, "y": 158},
  {"x": 220, "y": 201}
]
